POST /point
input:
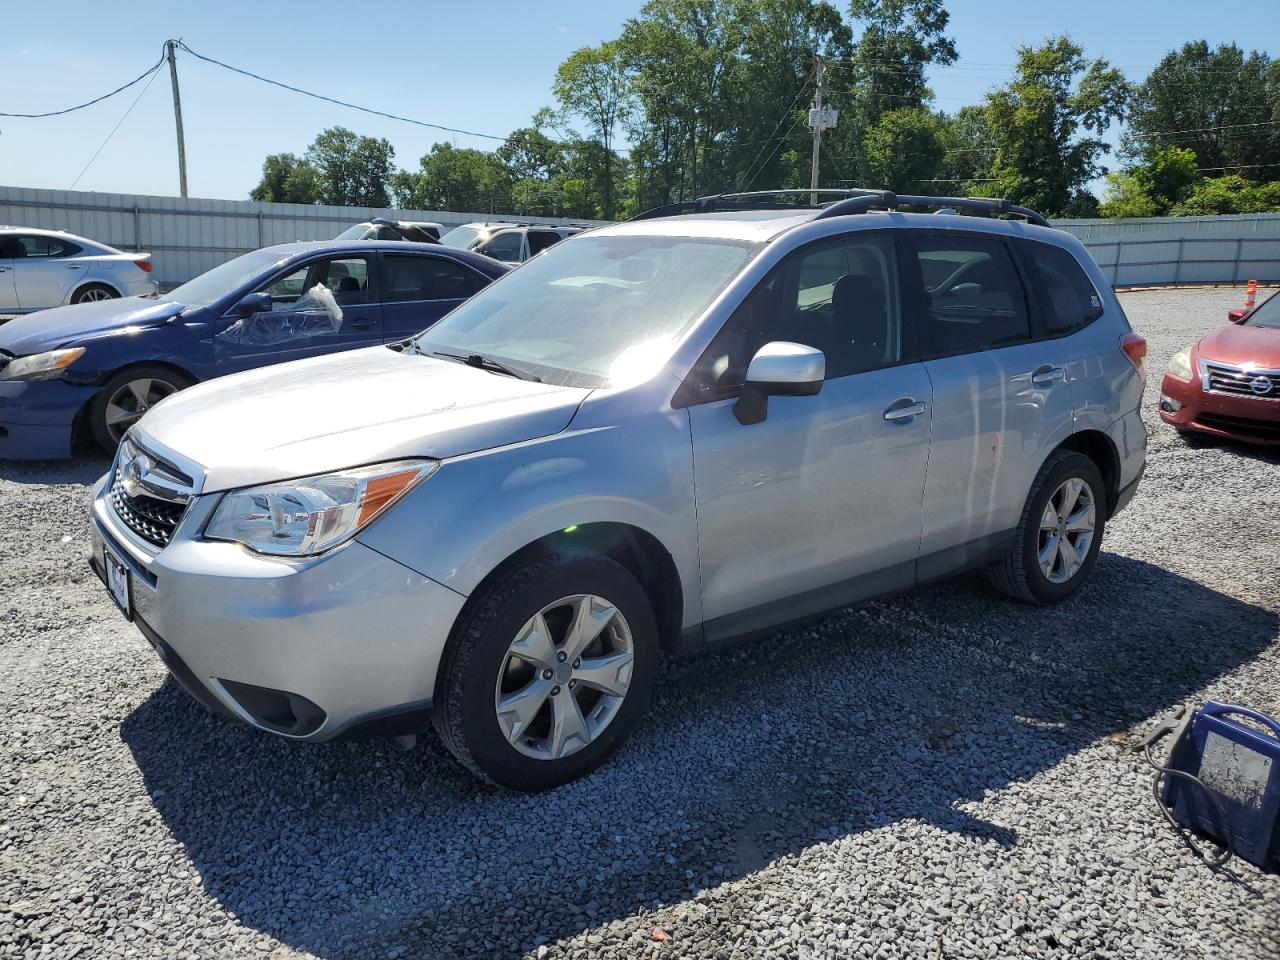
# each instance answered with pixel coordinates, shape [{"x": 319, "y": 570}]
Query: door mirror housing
[
  {"x": 779, "y": 369},
  {"x": 252, "y": 303},
  {"x": 1237, "y": 314}
]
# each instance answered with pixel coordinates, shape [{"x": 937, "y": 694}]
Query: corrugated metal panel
[{"x": 188, "y": 236}]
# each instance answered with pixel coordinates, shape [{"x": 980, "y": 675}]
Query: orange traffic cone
[{"x": 1251, "y": 294}]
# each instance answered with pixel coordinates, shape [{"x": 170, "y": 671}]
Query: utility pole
[
  {"x": 177, "y": 120},
  {"x": 815, "y": 121}
]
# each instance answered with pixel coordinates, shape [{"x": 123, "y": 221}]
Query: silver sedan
[{"x": 49, "y": 268}]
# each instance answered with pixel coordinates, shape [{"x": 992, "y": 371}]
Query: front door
[
  {"x": 323, "y": 306},
  {"x": 1001, "y": 400},
  {"x": 819, "y": 505},
  {"x": 418, "y": 289}
]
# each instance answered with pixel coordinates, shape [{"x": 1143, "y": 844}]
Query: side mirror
[
  {"x": 779, "y": 369},
  {"x": 1237, "y": 314},
  {"x": 252, "y": 303}
]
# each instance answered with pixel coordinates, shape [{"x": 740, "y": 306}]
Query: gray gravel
[{"x": 943, "y": 772}]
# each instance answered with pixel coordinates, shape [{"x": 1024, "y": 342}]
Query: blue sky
[{"x": 481, "y": 66}]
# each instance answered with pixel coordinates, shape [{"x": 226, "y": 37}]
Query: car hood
[
  {"x": 1241, "y": 345},
  {"x": 63, "y": 326},
  {"x": 349, "y": 409}
]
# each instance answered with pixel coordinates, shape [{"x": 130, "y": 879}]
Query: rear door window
[
  {"x": 407, "y": 277},
  {"x": 44, "y": 247},
  {"x": 1068, "y": 298},
  {"x": 973, "y": 297},
  {"x": 539, "y": 240}
]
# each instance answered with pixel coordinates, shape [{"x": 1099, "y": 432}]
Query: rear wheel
[
  {"x": 548, "y": 673},
  {"x": 93, "y": 292},
  {"x": 126, "y": 397},
  {"x": 1059, "y": 533}
]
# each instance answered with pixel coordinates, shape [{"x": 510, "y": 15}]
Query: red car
[{"x": 1228, "y": 384}]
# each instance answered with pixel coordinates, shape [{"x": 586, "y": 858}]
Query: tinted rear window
[
  {"x": 1069, "y": 300},
  {"x": 974, "y": 296}
]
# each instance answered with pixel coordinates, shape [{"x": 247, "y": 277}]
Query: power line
[
  {"x": 155, "y": 71},
  {"x": 344, "y": 103},
  {"x": 90, "y": 103},
  {"x": 804, "y": 85},
  {"x": 1234, "y": 126}
]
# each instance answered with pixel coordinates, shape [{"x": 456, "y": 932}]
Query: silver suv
[
  {"x": 658, "y": 437},
  {"x": 508, "y": 242}
]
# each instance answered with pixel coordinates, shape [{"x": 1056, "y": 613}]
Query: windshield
[
  {"x": 595, "y": 310},
  {"x": 461, "y": 237},
  {"x": 1267, "y": 315},
  {"x": 217, "y": 283},
  {"x": 354, "y": 233}
]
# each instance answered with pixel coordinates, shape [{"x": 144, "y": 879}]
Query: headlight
[
  {"x": 1180, "y": 365},
  {"x": 300, "y": 518},
  {"x": 40, "y": 366}
]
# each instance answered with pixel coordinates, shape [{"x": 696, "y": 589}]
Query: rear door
[
  {"x": 539, "y": 240},
  {"x": 45, "y": 270},
  {"x": 302, "y": 321},
  {"x": 1001, "y": 400},
  {"x": 505, "y": 245},
  {"x": 418, "y": 289}
]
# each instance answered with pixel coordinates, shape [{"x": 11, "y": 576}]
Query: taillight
[
  {"x": 1134, "y": 346},
  {"x": 144, "y": 265}
]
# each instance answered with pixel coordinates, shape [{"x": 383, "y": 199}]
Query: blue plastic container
[{"x": 1241, "y": 765}]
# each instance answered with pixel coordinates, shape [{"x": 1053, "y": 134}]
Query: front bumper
[
  {"x": 340, "y": 644},
  {"x": 1249, "y": 419},
  {"x": 37, "y": 418}
]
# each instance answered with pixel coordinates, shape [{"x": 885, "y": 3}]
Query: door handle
[
  {"x": 72, "y": 266},
  {"x": 1046, "y": 375},
  {"x": 904, "y": 409},
  {"x": 361, "y": 322}
]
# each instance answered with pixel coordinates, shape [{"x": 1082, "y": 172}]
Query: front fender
[{"x": 480, "y": 509}]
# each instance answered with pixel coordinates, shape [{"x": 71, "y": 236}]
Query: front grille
[
  {"x": 148, "y": 495},
  {"x": 1240, "y": 382}
]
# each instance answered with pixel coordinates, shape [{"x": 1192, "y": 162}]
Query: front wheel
[
  {"x": 548, "y": 673},
  {"x": 1059, "y": 533},
  {"x": 126, "y": 397}
]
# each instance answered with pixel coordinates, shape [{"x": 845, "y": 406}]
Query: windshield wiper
[{"x": 482, "y": 362}]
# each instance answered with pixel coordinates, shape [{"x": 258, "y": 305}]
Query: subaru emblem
[{"x": 134, "y": 471}]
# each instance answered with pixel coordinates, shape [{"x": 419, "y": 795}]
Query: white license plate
[{"x": 118, "y": 582}]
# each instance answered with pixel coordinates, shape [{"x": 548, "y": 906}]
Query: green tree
[
  {"x": 1229, "y": 194},
  {"x": 593, "y": 84},
  {"x": 352, "y": 170},
  {"x": 1213, "y": 102},
  {"x": 1149, "y": 190},
  {"x": 1047, "y": 125},
  {"x": 450, "y": 178},
  {"x": 286, "y": 179},
  {"x": 969, "y": 148},
  {"x": 904, "y": 150}
]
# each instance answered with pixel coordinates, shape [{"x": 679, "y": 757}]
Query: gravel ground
[{"x": 943, "y": 775}]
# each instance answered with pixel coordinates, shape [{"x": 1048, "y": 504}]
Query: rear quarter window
[{"x": 1068, "y": 298}]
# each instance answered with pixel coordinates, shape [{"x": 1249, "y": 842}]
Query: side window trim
[{"x": 1030, "y": 304}]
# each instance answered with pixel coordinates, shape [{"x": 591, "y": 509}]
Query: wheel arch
[
  {"x": 635, "y": 549},
  {"x": 71, "y": 297},
  {"x": 80, "y": 429},
  {"x": 1101, "y": 449}
]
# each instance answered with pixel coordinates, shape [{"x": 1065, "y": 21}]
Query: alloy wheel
[
  {"x": 131, "y": 400},
  {"x": 564, "y": 677},
  {"x": 1066, "y": 530},
  {"x": 94, "y": 294}
]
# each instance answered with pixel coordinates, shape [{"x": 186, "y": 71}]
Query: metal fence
[
  {"x": 188, "y": 236},
  {"x": 1174, "y": 250}
]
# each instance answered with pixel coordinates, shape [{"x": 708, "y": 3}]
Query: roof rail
[{"x": 851, "y": 201}]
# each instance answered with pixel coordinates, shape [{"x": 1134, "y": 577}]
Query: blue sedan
[{"x": 93, "y": 369}]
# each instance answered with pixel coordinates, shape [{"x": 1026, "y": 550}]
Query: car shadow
[
  {"x": 85, "y": 470},
  {"x": 354, "y": 849}
]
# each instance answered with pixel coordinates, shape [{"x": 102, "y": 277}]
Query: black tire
[
  {"x": 1019, "y": 574},
  {"x": 94, "y": 292},
  {"x": 464, "y": 712},
  {"x": 167, "y": 381}
]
